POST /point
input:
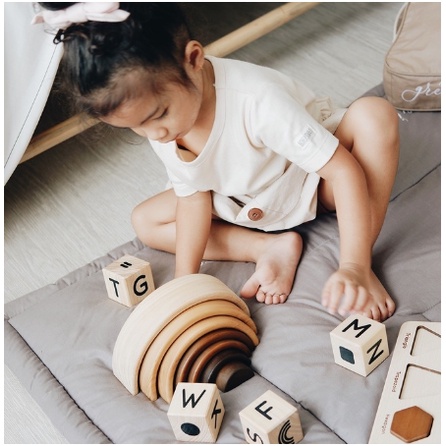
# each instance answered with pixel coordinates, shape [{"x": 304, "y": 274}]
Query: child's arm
[
  {"x": 348, "y": 288},
  {"x": 193, "y": 217}
]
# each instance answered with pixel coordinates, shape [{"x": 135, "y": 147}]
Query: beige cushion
[{"x": 412, "y": 69}]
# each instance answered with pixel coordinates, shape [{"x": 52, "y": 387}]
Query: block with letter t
[
  {"x": 196, "y": 412},
  {"x": 359, "y": 344},
  {"x": 271, "y": 420},
  {"x": 128, "y": 280}
]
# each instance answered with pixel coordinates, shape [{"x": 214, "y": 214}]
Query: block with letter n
[
  {"x": 271, "y": 420},
  {"x": 196, "y": 412},
  {"x": 359, "y": 344},
  {"x": 128, "y": 280}
]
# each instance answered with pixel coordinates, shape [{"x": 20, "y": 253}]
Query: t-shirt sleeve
[
  {"x": 166, "y": 156},
  {"x": 180, "y": 188},
  {"x": 279, "y": 122}
]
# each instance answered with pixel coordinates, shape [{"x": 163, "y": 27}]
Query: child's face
[{"x": 162, "y": 117}]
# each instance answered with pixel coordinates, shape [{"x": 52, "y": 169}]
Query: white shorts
[{"x": 330, "y": 116}]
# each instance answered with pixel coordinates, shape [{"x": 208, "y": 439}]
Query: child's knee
[
  {"x": 388, "y": 116},
  {"x": 142, "y": 219},
  {"x": 380, "y": 113},
  {"x": 389, "y": 124},
  {"x": 138, "y": 219},
  {"x": 151, "y": 215}
]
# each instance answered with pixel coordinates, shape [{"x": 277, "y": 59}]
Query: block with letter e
[
  {"x": 128, "y": 280},
  {"x": 196, "y": 412},
  {"x": 359, "y": 344},
  {"x": 271, "y": 420}
]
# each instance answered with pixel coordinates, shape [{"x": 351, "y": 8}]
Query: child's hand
[{"x": 346, "y": 290}]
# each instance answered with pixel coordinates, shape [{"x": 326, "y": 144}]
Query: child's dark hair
[{"x": 99, "y": 55}]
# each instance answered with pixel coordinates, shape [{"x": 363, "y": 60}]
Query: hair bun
[
  {"x": 56, "y": 6},
  {"x": 108, "y": 43}
]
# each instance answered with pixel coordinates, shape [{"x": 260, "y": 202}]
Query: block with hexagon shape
[
  {"x": 271, "y": 420},
  {"x": 196, "y": 412},
  {"x": 359, "y": 344}
]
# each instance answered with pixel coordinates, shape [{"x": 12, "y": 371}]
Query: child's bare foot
[
  {"x": 276, "y": 267},
  {"x": 354, "y": 290},
  {"x": 374, "y": 303},
  {"x": 382, "y": 305}
]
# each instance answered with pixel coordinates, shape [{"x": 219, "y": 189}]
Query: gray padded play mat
[{"x": 59, "y": 340}]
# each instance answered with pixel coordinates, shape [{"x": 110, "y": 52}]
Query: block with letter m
[{"x": 359, "y": 344}]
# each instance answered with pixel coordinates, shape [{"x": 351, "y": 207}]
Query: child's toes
[{"x": 261, "y": 296}]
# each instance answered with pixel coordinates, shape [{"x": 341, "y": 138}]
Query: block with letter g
[{"x": 128, "y": 280}]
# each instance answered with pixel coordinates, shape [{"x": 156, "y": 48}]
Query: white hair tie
[{"x": 82, "y": 12}]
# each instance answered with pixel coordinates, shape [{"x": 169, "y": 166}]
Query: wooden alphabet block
[
  {"x": 271, "y": 420},
  {"x": 359, "y": 344},
  {"x": 128, "y": 280},
  {"x": 196, "y": 412}
]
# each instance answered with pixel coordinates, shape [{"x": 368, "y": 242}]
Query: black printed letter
[
  {"x": 144, "y": 286},
  {"x": 374, "y": 347},
  {"x": 264, "y": 413},
  {"x": 355, "y": 327}
]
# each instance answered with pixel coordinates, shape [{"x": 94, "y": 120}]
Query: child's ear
[{"x": 194, "y": 55}]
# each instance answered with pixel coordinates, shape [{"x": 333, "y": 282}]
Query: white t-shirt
[{"x": 266, "y": 144}]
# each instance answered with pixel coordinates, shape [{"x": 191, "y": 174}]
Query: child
[{"x": 249, "y": 152}]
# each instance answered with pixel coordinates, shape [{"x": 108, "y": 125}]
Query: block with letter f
[
  {"x": 359, "y": 344},
  {"x": 271, "y": 420}
]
